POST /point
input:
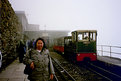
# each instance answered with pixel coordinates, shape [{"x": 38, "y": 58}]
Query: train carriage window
[
  {"x": 86, "y": 36},
  {"x": 66, "y": 41},
  {"x": 91, "y": 36},
  {"x": 94, "y": 36},
  {"x": 80, "y": 35}
]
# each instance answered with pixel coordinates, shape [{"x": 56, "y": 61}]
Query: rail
[
  {"x": 66, "y": 75},
  {"x": 107, "y": 50},
  {"x": 105, "y": 71}
]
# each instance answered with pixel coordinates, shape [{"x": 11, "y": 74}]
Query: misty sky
[{"x": 101, "y": 15}]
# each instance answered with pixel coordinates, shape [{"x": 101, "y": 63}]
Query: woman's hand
[
  {"x": 51, "y": 76},
  {"x": 32, "y": 65}
]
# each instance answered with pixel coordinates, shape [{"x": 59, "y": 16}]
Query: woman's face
[{"x": 40, "y": 44}]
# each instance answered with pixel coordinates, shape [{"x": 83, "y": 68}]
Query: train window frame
[
  {"x": 67, "y": 40},
  {"x": 80, "y": 36},
  {"x": 74, "y": 36},
  {"x": 93, "y": 38},
  {"x": 85, "y": 36}
]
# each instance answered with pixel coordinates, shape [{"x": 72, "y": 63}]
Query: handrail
[{"x": 110, "y": 48}]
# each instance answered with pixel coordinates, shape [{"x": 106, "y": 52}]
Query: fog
[{"x": 101, "y": 15}]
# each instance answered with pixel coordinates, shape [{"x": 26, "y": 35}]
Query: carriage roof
[{"x": 85, "y": 31}]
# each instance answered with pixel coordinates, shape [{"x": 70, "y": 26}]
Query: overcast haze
[{"x": 101, "y": 15}]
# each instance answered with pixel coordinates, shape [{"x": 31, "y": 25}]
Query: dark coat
[{"x": 42, "y": 62}]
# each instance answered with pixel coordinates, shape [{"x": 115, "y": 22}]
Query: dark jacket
[{"x": 42, "y": 62}]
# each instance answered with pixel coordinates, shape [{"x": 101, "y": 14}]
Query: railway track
[
  {"x": 64, "y": 75},
  {"x": 68, "y": 71},
  {"x": 105, "y": 73}
]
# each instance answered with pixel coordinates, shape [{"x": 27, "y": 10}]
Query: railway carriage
[
  {"x": 59, "y": 45},
  {"x": 80, "y": 46}
]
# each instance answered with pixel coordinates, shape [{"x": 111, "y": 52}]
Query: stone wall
[{"x": 9, "y": 32}]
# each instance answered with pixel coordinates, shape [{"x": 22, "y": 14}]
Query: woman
[{"x": 40, "y": 62}]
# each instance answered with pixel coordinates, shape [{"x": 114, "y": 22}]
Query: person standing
[
  {"x": 40, "y": 62},
  {"x": 21, "y": 51}
]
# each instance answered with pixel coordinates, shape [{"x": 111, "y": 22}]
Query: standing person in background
[
  {"x": 21, "y": 51},
  {"x": 40, "y": 62},
  {"x": 32, "y": 44}
]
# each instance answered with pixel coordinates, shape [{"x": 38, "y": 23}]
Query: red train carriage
[{"x": 59, "y": 45}]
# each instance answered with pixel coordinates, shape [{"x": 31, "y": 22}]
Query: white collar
[{"x": 39, "y": 51}]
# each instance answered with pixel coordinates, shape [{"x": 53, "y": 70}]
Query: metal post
[
  {"x": 102, "y": 49},
  {"x": 110, "y": 51}
]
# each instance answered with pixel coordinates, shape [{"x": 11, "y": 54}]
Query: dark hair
[{"x": 44, "y": 45}]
